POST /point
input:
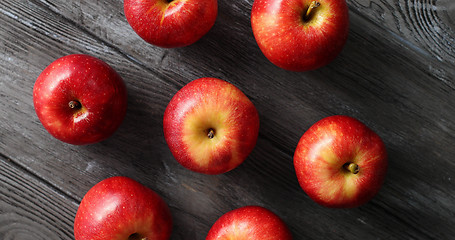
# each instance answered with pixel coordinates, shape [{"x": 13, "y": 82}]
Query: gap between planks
[{"x": 48, "y": 184}]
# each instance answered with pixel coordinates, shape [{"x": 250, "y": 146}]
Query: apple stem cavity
[
  {"x": 313, "y": 5},
  {"x": 211, "y": 133},
  {"x": 352, "y": 167},
  {"x": 136, "y": 236},
  {"x": 74, "y": 104}
]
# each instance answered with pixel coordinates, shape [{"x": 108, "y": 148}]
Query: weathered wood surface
[
  {"x": 30, "y": 208},
  {"x": 396, "y": 74}
]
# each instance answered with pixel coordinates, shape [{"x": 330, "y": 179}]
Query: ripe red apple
[
  {"x": 300, "y": 35},
  {"x": 340, "y": 162},
  {"x": 80, "y": 99},
  {"x": 250, "y": 222},
  {"x": 210, "y": 126},
  {"x": 171, "y": 23},
  {"x": 119, "y": 208}
]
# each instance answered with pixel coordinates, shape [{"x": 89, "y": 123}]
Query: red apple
[
  {"x": 340, "y": 162},
  {"x": 210, "y": 126},
  {"x": 80, "y": 99},
  {"x": 119, "y": 208},
  {"x": 250, "y": 222},
  {"x": 300, "y": 35},
  {"x": 171, "y": 23}
]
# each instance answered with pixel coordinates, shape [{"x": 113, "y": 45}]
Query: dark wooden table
[{"x": 396, "y": 74}]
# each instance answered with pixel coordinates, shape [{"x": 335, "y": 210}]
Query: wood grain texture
[
  {"x": 391, "y": 75},
  {"x": 30, "y": 209},
  {"x": 428, "y": 25}
]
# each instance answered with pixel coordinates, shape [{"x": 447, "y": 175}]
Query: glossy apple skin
[
  {"x": 210, "y": 103},
  {"x": 119, "y": 207},
  {"x": 297, "y": 45},
  {"x": 171, "y": 24},
  {"x": 249, "y": 223},
  {"x": 322, "y": 153},
  {"x": 100, "y": 91}
]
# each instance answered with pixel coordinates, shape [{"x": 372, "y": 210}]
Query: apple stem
[
  {"x": 74, "y": 104},
  {"x": 352, "y": 167},
  {"x": 211, "y": 133},
  {"x": 313, "y": 5}
]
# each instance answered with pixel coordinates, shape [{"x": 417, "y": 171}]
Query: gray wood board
[
  {"x": 396, "y": 74},
  {"x": 30, "y": 208}
]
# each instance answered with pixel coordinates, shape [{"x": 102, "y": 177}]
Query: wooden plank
[
  {"x": 31, "y": 209},
  {"x": 428, "y": 25},
  {"x": 402, "y": 93}
]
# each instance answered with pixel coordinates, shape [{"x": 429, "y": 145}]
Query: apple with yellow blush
[
  {"x": 340, "y": 162},
  {"x": 210, "y": 126},
  {"x": 249, "y": 223}
]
